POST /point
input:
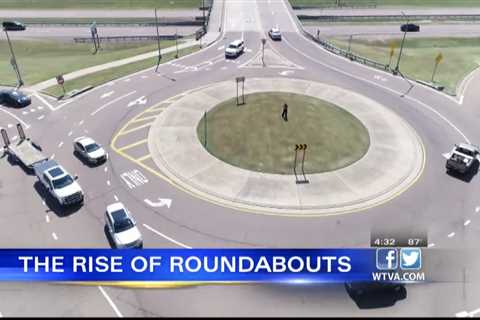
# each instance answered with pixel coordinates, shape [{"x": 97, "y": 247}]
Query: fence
[
  {"x": 127, "y": 38},
  {"x": 336, "y": 4},
  {"x": 373, "y": 18}
]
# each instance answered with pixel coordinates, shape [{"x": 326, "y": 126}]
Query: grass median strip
[
  {"x": 101, "y": 77},
  {"x": 460, "y": 56},
  {"x": 41, "y": 60}
]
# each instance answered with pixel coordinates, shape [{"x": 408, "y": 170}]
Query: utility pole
[
  {"x": 158, "y": 41},
  {"x": 13, "y": 61},
  {"x": 176, "y": 43},
  {"x": 401, "y": 46}
]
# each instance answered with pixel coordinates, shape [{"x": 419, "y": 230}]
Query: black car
[
  {"x": 13, "y": 26},
  {"x": 375, "y": 294},
  {"x": 14, "y": 98},
  {"x": 410, "y": 27}
]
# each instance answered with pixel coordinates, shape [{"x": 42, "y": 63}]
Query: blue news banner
[{"x": 189, "y": 265}]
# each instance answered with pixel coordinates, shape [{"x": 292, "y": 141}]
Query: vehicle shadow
[
  {"x": 52, "y": 204},
  {"x": 109, "y": 237},
  {"x": 466, "y": 177}
]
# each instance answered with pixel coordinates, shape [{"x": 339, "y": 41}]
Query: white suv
[
  {"x": 122, "y": 227},
  {"x": 235, "y": 49}
]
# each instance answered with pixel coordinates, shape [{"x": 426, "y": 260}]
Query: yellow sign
[
  {"x": 439, "y": 58},
  {"x": 392, "y": 48}
]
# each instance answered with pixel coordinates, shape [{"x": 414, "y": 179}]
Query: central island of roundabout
[{"x": 359, "y": 154}]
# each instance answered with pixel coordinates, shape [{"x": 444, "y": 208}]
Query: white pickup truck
[{"x": 59, "y": 183}]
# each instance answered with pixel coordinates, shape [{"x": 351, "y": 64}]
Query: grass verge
[
  {"x": 386, "y": 3},
  {"x": 99, "y": 4},
  {"x": 101, "y": 77},
  {"x": 255, "y": 137},
  {"x": 40, "y": 60},
  {"x": 460, "y": 57}
]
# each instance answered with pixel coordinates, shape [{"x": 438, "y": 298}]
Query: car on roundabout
[
  {"x": 14, "y": 98},
  {"x": 122, "y": 227},
  {"x": 462, "y": 158},
  {"x": 275, "y": 34},
  {"x": 89, "y": 150}
]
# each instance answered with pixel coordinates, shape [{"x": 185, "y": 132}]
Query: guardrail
[
  {"x": 127, "y": 38},
  {"x": 338, "y": 4},
  {"x": 183, "y": 23},
  {"x": 360, "y": 18}
]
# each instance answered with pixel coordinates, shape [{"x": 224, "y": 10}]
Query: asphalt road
[{"x": 438, "y": 202}]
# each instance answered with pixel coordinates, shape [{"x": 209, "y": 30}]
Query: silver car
[{"x": 89, "y": 150}]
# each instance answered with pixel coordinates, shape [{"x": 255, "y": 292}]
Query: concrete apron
[{"x": 393, "y": 162}]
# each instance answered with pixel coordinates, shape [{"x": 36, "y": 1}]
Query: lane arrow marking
[{"x": 161, "y": 203}]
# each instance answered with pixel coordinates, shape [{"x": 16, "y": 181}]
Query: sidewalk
[{"x": 213, "y": 32}]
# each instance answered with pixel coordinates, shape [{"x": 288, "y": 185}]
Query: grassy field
[
  {"x": 460, "y": 57},
  {"x": 101, "y": 77},
  {"x": 255, "y": 137},
  {"x": 41, "y": 60},
  {"x": 387, "y": 3},
  {"x": 99, "y": 4}
]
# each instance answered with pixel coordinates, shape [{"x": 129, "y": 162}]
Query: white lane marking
[
  {"x": 110, "y": 302},
  {"x": 40, "y": 108},
  {"x": 383, "y": 87},
  {"x": 1, "y": 315},
  {"x": 467, "y": 223},
  {"x": 47, "y": 218},
  {"x": 167, "y": 237},
  {"x": 286, "y": 72},
  {"x": 464, "y": 314},
  {"x": 10, "y": 125},
  {"x": 41, "y": 117},
  {"x": 108, "y": 182},
  {"x": 106, "y": 95},
  {"x": 112, "y": 102},
  {"x": 26, "y": 125},
  {"x": 60, "y": 144},
  {"x": 221, "y": 47},
  {"x": 141, "y": 100},
  {"x": 53, "y": 156},
  {"x": 430, "y": 245},
  {"x": 70, "y": 133},
  {"x": 44, "y": 203},
  {"x": 450, "y": 235},
  {"x": 161, "y": 203},
  {"x": 14, "y": 138},
  {"x": 54, "y": 235},
  {"x": 81, "y": 122},
  {"x": 39, "y": 97},
  {"x": 477, "y": 209},
  {"x": 25, "y": 112},
  {"x": 144, "y": 77},
  {"x": 115, "y": 197},
  {"x": 134, "y": 178},
  {"x": 106, "y": 169}
]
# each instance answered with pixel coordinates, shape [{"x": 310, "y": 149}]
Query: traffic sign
[
  {"x": 439, "y": 58},
  {"x": 300, "y": 147},
  {"x": 60, "y": 79}
]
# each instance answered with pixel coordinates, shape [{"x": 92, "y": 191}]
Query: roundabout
[{"x": 392, "y": 163}]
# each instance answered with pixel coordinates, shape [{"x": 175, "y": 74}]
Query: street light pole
[
  {"x": 14, "y": 62},
  {"x": 176, "y": 42},
  {"x": 401, "y": 46},
  {"x": 158, "y": 41}
]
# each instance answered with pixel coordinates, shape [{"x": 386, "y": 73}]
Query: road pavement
[{"x": 437, "y": 202}]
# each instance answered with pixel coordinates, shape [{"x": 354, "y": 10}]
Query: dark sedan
[
  {"x": 13, "y": 26},
  {"x": 410, "y": 27},
  {"x": 14, "y": 98}
]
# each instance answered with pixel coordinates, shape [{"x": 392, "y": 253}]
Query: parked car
[
  {"x": 410, "y": 27},
  {"x": 89, "y": 150},
  {"x": 235, "y": 49},
  {"x": 14, "y": 98},
  {"x": 275, "y": 34},
  {"x": 13, "y": 26},
  {"x": 122, "y": 228}
]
